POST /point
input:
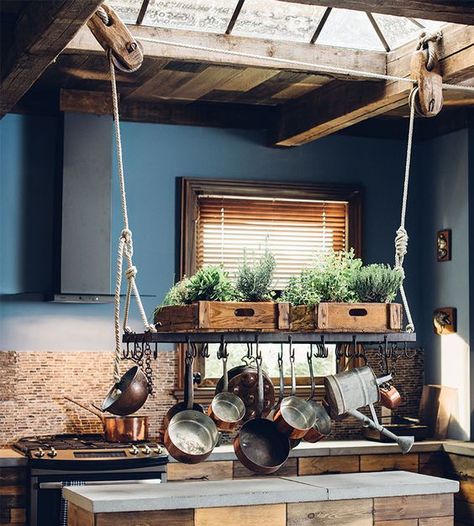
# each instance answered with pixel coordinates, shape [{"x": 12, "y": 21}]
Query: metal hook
[{"x": 258, "y": 352}]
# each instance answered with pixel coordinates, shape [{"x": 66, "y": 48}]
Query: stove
[
  {"x": 43, "y": 450},
  {"x": 55, "y": 461}
]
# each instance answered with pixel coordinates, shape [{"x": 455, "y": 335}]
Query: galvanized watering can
[{"x": 348, "y": 391}]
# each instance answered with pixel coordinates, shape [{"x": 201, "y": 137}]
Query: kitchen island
[{"x": 342, "y": 499}]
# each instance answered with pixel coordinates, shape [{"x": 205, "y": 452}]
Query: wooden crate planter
[
  {"x": 347, "y": 317},
  {"x": 223, "y": 316}
]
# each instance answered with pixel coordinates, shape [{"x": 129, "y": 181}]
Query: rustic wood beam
[
  {"x": 200, "y": 113},
  {"x": 373, "y": 61},
  {"x": 338, "y": 105},
  {"x": 455, "y": 11},
  {"x": 41, "y": 33}
]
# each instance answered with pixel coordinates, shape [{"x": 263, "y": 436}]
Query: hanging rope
[
  {"x": 428, "y": 41},
  {"x": 311, "y": 66},
  {"x": 125, "y": 246},
  {"x": 401, "y": 237}
]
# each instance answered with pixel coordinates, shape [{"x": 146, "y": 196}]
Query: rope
[
  {"x": 311, "y": 66},
  {"x": 125, "y": 246},
  {"x": 428, "y": 42},
  {"x": 401, "y": 237},
  {"x": 102, "y": 14}
]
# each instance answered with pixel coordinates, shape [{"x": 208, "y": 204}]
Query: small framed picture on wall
[{"x": 443, "y": 245}]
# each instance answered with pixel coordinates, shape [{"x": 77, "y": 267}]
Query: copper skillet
[
  {"x": 259, "y": 446},
  {"x": 191, "y": 435}
]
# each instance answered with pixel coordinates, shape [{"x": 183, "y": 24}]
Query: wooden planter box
[
  {"x": 347, "y": 317},
  {"x": 224, "y": 316}
]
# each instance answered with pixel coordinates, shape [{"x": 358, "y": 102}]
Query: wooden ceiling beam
[
  {"x": 455, "y": 11},
  {"x": 338, "y": 105},
  {"x": 328, "y": 56},
  {"x": 199, "y": 113},
  {"x": 41, "y": 33}
]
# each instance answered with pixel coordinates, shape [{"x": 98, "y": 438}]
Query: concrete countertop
[
  {"x": 326, "y": 448},
  {"x": 211, "y": 494}
]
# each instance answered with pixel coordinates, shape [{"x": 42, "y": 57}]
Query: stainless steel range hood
[{"x": 86, "y": 218}]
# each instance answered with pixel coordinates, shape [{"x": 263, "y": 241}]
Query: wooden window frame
[{"x": 190, "y": 190}]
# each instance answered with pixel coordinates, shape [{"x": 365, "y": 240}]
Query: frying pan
[
  {"x": 123, "y": 429},
  {"x": 128, "y": 394},
  {"x": 181, "y": 406},
  {"x": 191, "y": 435},
  {"x": 259, "y": 446},
  {"x": 226, "y": 409},
  {"x": 295, "y": 416}
]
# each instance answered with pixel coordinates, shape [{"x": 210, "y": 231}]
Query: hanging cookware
[
  {"x": 243, "y": 383},
  {"x": 390, "y": 396},
  {"x": 123, "y": 429},
  {"x": 281, "y": 383},
  {"x": 322, "y": 424},
  {"x": 181, "y": 406},
  {"x": 295, "y": 416},
  {"x": 128, "y": 394},
  {"x": 226, "y": 409},
  {"x": 191, "y": 435},
  {"x": 259, "y": 445}
]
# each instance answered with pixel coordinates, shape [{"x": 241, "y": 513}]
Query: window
[{"x": 295, "y": 221}]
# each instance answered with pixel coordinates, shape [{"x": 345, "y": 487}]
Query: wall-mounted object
[
  {"x": 443, "y": 245},
  {"x": 444, "y": 320}
]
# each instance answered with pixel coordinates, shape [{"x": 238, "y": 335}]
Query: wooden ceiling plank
[
  {"x": 373, "y": 61},
  {"x": 338, "y": 104},
  {"x": 200, "y": 113},
  {"x": 455, "y": 11},
  {"x": 248, "y": 79},
  {"x": 42, "y": 31}
]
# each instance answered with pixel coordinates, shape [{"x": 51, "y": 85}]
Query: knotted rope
[
  {"x": 125, "y": 246},
  {"x": 428, "y": 42},
  {"x": 401, "y": 237}
]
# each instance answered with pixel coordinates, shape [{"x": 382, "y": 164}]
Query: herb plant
[
  {"x": 211, "y": 283},
  {"x": 377, "y": 283},
  {"x": 254, "y": 281}
]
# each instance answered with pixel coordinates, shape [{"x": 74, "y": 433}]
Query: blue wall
[{"x": 155, "y": 156}]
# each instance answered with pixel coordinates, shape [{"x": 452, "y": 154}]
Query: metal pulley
[
  {"x": 426, "y": 70},
  {"x": 113, "y": 35}
]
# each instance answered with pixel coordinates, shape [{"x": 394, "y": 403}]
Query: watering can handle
[{"x": 384, "y": 379}]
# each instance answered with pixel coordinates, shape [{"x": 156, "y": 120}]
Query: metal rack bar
[{"x": 268, "y": 337}]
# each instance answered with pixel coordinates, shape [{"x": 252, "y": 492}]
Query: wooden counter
[{"x": 364, "y": 499}]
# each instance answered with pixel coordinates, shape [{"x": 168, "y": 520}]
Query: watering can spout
[{"x": 405, "y": 443}]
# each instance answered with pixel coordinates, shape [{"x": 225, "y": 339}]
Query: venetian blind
[{"x": 293, "y": 230}]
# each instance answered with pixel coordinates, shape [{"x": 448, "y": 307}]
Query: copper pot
[
  {"x": 390, "y": 397},
  {"x": 119, "y": 428},
  {"x": 128, "y": 394}
]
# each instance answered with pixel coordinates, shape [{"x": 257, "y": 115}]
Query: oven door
[{"x": 47, "y": 507}]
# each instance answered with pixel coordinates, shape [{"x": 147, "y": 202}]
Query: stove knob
[
  {"x": 146, "y": 450},
  {"x": 52, "y": 452},
  {"x": 39, "y": 453},
  {"x": 158, "y": 450},
  {"x": 134, "y": 450}
]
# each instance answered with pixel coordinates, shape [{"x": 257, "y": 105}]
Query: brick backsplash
[{"x": 33, "y": 385}]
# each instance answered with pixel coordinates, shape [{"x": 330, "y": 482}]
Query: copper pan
[{"x": 124, "y": 429}]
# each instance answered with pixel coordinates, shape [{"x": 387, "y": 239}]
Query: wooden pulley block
[
  {"x": 429, "y": 100},
  {"x": 116, "y": 39}
]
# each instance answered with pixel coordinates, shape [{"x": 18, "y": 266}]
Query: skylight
[{"x": 276, "y": 20}]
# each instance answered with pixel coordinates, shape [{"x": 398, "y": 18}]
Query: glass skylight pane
[
  {"x": 396, "y": 29},
  {"x": 352, "y": 29},
  {"x": 431, "y": 25},
  {"x": 127, "y": 9},
  {"x": 278, "y": 20},
  {"x": 212, "y": 16}
]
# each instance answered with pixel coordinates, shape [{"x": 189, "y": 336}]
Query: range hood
[{"x": 86, "y": 211}]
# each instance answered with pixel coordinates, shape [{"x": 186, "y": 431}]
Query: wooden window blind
[{"x": 294, "y": 230}]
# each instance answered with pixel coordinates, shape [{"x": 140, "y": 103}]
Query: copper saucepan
[
  {"x": 226, "y": 409},
  {"x": 128, "y": 394},
  {"x": 295, "y": 416},
  {"x": 123, "y": 429}
]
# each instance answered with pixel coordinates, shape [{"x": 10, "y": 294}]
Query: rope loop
[
  {"x": 102, "y": 14},
  {"x": 428, "y": 42},
  {"x": 131, "y": 272}
]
